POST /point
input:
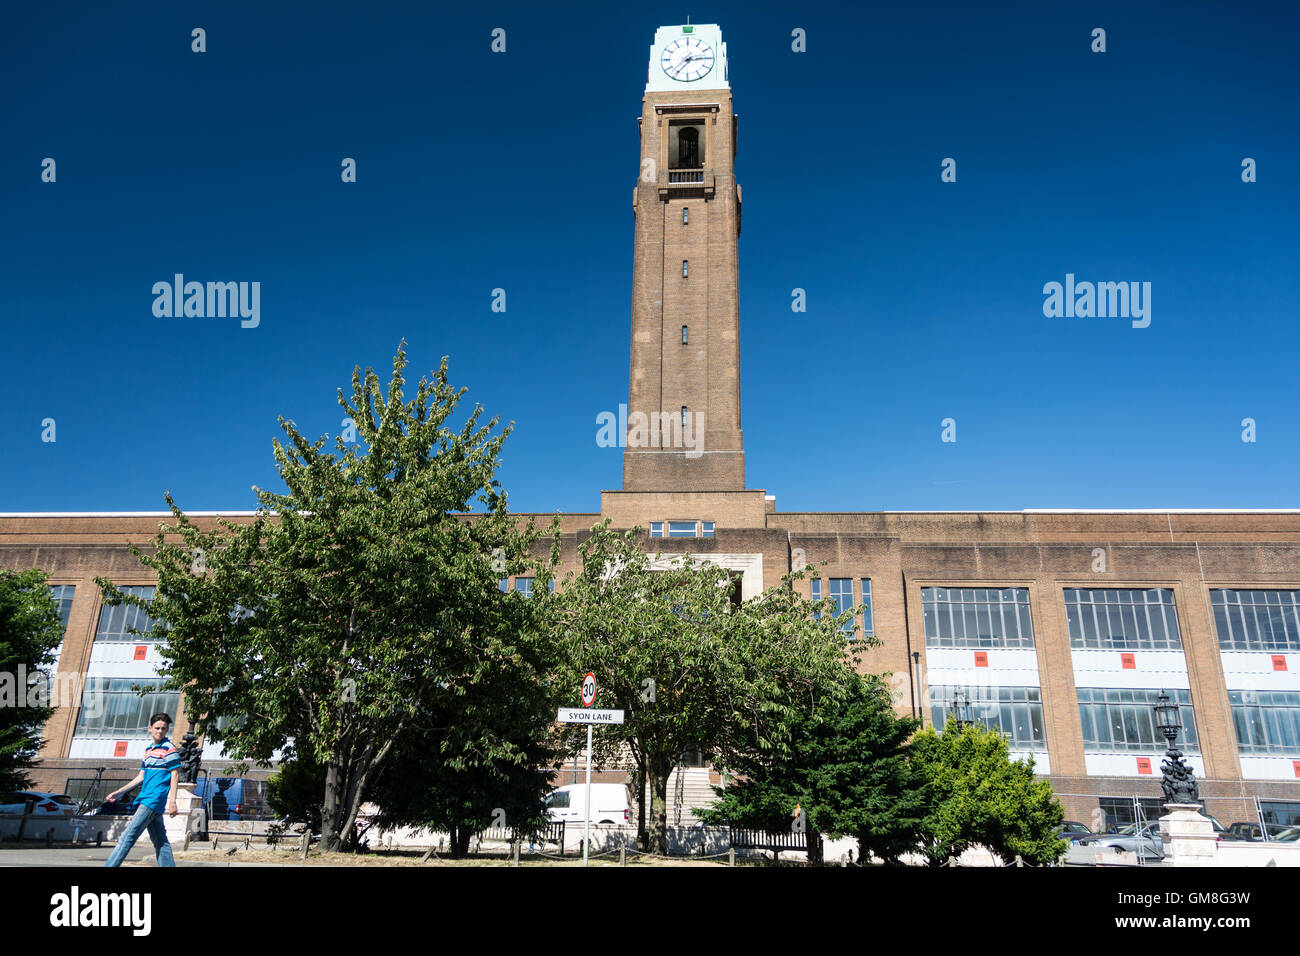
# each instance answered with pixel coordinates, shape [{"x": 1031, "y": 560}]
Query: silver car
[{"x": 1142, "y": 839}]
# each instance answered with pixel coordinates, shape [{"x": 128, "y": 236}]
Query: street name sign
[{"x": 584, "y": 715}]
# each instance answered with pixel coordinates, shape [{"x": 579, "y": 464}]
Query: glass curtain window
[
  {"x": 1250, "y": 620},
  {"x": 977, "y": 617},
  {"x": 1281, "y": 813},
  {"x": 115, "y": 622},
  {"x": 1121, "y": 719},
  {"x": 62, "y": 594},
  {"x": 1122, "y": 619},
  {"x": 1016, "y": 712},
  {"x": 1266, "y": 722},
  {"x": 110, "y": 708}
]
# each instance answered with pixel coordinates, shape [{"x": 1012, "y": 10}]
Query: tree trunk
[
  {"x": 638, "y": 781},
  {"x": 658, "y": 774},
  {"x": 460, "y": 837},
  {"x": 815, "y": 857},
  {"x": 332, "y": 811}
]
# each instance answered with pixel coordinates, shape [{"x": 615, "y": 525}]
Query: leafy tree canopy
[
  {"x": 981, "y": 797},
  {"x": 359, "y": 600},
  {"x": 847, "y": 770},
  {"x": 30, "y": 630},
  {"x": 689, "y": 666}
]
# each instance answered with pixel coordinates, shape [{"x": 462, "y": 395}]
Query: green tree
[
  {"x": 421, "y": 788},
  {"x": 441, "y": 777},
  {"x": 689, "y": 668},
  {"x": 294, "y": 792},
  {"x": 30, "y": 630},
  {"x": 362, "y": 597},
  {"x": 847, "y": 769},
  {"x": 981, "y": 797}
]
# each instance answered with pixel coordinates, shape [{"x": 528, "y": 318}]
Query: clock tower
[{"x": 684, "y": 392}]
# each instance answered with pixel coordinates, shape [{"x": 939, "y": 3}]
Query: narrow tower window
[
  {"x": 685, "y": 268},
  {"x": 683, "y": 335},
  {"x": 683, "y": 416},
  {"x": 686, "y": 215}
]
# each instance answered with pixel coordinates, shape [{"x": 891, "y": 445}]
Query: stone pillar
[
  {"x": 187, "y": 804},
  {"x": 1188, "y": 837}
]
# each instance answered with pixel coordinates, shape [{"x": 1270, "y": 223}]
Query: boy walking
[{"x": 159, "y": 773}]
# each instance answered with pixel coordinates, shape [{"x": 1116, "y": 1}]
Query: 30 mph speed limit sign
[{"x": 589, "y": 689}]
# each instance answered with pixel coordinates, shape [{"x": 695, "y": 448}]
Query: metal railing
[{"x": 685, "y": 176}]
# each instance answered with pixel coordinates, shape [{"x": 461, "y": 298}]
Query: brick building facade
[{"x": 1060, "y": 626}]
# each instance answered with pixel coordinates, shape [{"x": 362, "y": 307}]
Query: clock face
[{"x": 687, "y": 59}]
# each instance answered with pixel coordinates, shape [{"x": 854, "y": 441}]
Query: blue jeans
[{"x": 152, "y": 820}]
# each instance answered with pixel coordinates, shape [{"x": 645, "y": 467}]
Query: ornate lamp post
[
  {"x": 961, "y": 711},
  {"x": 1178, "y": 781}
]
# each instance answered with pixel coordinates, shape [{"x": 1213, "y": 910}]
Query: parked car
[
  {"x": 1073, "y": 831},
  {"x": 1254, "y": 832},
  {"x": 1141, "y": 839},
  {"x": 1243, "y": 831},
  {"x": 608, "y": 801},
  {"x": 113, "y": 808},
  {"x": 57, "y": 804},
  {"x": 1146, "y": 836}
]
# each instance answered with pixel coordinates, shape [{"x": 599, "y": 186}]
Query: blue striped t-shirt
[{"x": 160, "y": 760}]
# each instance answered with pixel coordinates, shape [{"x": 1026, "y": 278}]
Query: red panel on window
[
  {"x": 119, "y": 749},
  {"x": 1127, "y": 662},
  {"x": 1279, "y": 662},
  {"x": 1144, "y": 764},
  {"x": 981, "y": 659},
  {"x": 1295, "y": 765},
  {"x": 140, "y": 651}
]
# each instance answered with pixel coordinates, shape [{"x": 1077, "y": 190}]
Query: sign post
[
  {"x": 585, "y": 715},
  {"x": 588, "y": 698}
]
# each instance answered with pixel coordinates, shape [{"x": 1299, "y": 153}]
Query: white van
[{"x": 608, "y": 803}]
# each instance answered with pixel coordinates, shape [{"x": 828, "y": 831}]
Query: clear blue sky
[{"x": 479, "y": 170}]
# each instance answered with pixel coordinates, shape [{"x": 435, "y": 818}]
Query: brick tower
[{"x": 683, "y": 431}]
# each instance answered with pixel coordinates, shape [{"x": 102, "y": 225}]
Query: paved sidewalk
[{"x": 38, "y": 854}]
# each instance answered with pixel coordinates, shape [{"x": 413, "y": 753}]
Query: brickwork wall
[{"x": 900, "y": 552}]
